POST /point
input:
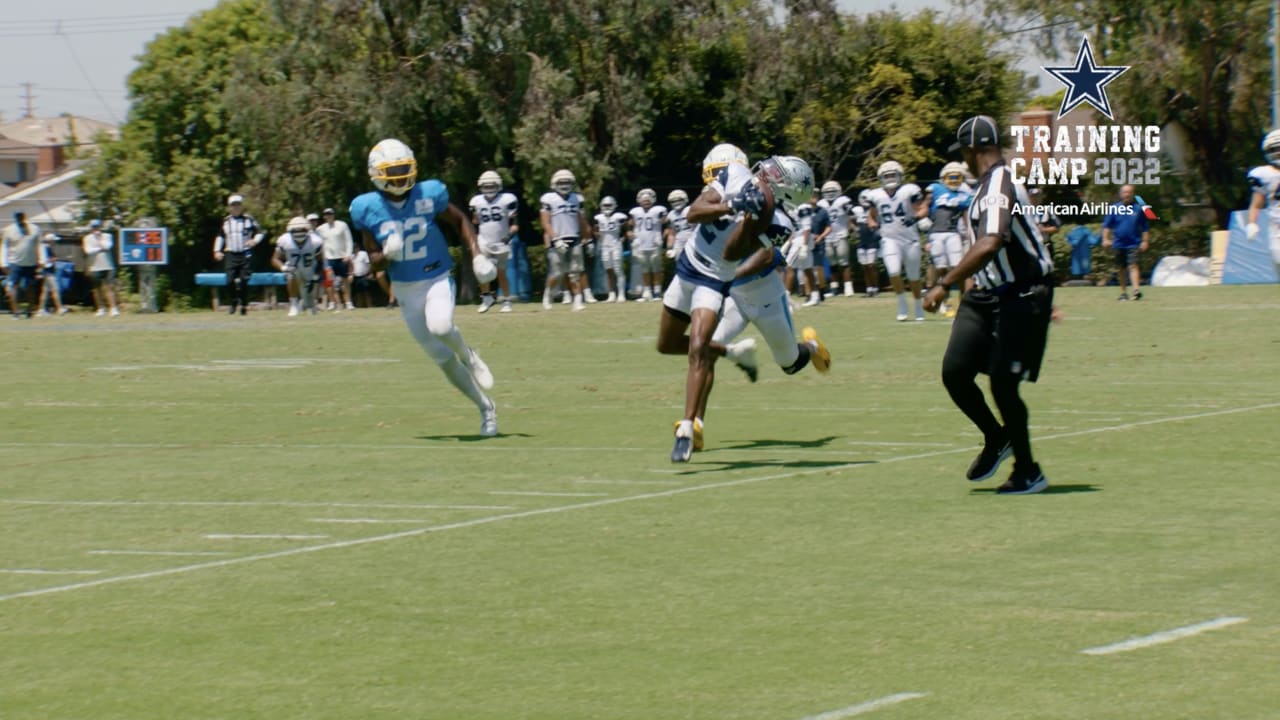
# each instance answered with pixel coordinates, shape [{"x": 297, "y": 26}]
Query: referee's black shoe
[
  {"x": 1024, "y": 483},
  {"x": 988, "y": 461}
]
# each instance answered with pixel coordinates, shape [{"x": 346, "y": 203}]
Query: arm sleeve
[{"x": 995, "y": 207}]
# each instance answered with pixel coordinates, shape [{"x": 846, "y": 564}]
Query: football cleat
[
  {"x": 479, "y": 370},
  {"x": 697, "y": 433},
  {"x": 743, "y": 354},
  {"x": 683, "y": 447},
  {"x": 489, "y": 420},
  {"x": 821, "y": 355}
]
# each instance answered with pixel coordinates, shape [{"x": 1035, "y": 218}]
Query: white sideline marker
[
  {"x": 249, "y": 503},
  {"x": 34, "y": 571},
  {"x": 259, "y": 536},
  {"x": 1164, "y": 636},
  {"x": 867, "y": 707}
]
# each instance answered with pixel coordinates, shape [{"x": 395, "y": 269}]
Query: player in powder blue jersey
[{"x": 400, "y": 223}]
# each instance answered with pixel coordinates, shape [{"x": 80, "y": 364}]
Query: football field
[{"x": 266, "y": 518}]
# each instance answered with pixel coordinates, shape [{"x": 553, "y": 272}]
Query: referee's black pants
[
  {"x": 237, "y": 266},
  {"x": 1003, "y": 336}
]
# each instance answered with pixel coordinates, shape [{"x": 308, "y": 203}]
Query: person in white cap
[
  {"x": 49, "y": 288},
  {"x": 234, "y": 246},
  {"x": 339, "y": 247},
  {"x": 102, "y": 268}
]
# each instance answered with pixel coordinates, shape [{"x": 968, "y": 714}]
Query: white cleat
[
  {"x": 578, "y": 305},
  {"x": 743, "y": 354},
  {"x": 486, "y": 302},
  {"x": 489, "y": 421},
  {"x": 566, "y": 298},
  {"x": 902, "y": 317},
  {"x": 479, "y": 370},
  {"x": 613, "y": 297},
  {"x": 589, "y": 296},
  {"x": 506, "y": 306},
  {"x": 546, "y": 301},
  {"x": 293, "y": 312}
]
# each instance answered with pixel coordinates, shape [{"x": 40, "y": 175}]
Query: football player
[
  {"x": 494, "y": 213},
  {"x": 736, "y": 212},
  {"x": 647, "y": 232},
  {"x": 839, "y": 209},
  {"x": 299, "y": 255},
  {"x": 400, "y": 224},
  {"x": 868, "y": 244},
  {"x": 679, "y": 229},
  {"x": 609, "y": 228},
  {"x": 1264, "y": 182},
  {"x": 948, "y": 199},
  {"x": 899, "y": 213},
  {"x": 798, "y": 255},
  {"x": 564, "y": 229}
]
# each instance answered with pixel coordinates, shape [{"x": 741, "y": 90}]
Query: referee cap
[
  {"x": 234, "y": 199},
  {"x": 977, "y": 131}
]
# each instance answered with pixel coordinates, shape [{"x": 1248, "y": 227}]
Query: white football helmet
[
  {"x": 392, "y": 167},
  {"x": 608, "y": 204},
  {"x": 790, "y": 178},
  {"x": 490, "y": 183},
  {"x": 646, "y": 197},
  {"x": 952, "y": 175},
  {"x": 864, "y": 198},
  {"x": 830, "y": 190},
  {"x": 721, "y": 156},
  {"x": 677, "y": 199},
  {"x": 298, "y": 227},
  {"x": 563, "y": 181},
  {"x": 1271, "y": 147},
  {"x": 890, "y": 174}
]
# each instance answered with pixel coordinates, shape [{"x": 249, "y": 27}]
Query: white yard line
[
  {"x": 34, "y": 571},
  {"x": 628, "y": 482},
  {"x": 165, "y": 553},
  {"x": 250, "y": 503},
  {"x": 1164, "y": 636},
  {"x": 415, "y": 532},
  {"x": 867, "y": 707},
  {"x": 534, "y": 493},
  {"x": 367, "y": 521},
  {"x": 261, "y": 536}
]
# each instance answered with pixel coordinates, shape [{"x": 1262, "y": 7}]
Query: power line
[
  {"x": 55, "y": 31},
  {"x": 98, "y": 19},
  {"x": 71, "y": 50}
]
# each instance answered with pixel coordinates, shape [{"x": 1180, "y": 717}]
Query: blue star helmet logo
[{"x": 1085, "y": 82}]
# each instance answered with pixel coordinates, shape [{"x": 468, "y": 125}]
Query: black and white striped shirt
[
  {"x": 1001, "y": 208},
  {"x": 238, "y": 233}
]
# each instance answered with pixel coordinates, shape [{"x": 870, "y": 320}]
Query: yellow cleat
[
  {"x": 821, "y": 356},
  {"x": 950, "y": 311},
  {"x": 697, "y": 432}
]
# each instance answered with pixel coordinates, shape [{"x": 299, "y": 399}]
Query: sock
[
  {"x": 848, "y": 288},
  {"x": 919, "y": 307},
  {"x": 577, "y": 298},
  {"x": 685, "y": 429},
  {"x": 902, "y": 303},
  {"x": 805, "y": 352}
]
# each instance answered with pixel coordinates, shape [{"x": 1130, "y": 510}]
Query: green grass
[{"x": 824, "y": 551}]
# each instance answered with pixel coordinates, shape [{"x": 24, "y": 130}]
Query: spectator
[
  {"x": 361, "y": 279},
  {"x": 240, "y": 234},
  {"x": 102, "y": 268},
  {"x": 49, "y": 288},
  {"x": 338, "y": 248},
  {"x": 1126, "y": 230},
  {"x": 21, "y": 253}
]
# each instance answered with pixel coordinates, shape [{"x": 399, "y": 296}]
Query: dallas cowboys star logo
[{"x": 1085, "y": 81}]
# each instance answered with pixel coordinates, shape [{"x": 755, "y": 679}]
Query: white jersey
[
  {"x": 896, "y": 212},
  {"x": 647, "y": 226},
  {"x": 704, "y": 253},
  {"x": 23, "y": 248},
  {"x": 859, "y": 215},
  {"x": 838, "y": 210},
  {"x": 803, "y": 221},
  {"x": 680, "y": 226},
  {"x": 303, "y": 259},
  {"x": 609, "y": 227},
  {"x": 565, "y": 213},
  {"x": 1265, "y": 180},
  {"x": 493, "y": 217}
]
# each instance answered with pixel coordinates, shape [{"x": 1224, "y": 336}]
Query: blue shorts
[{"x": 21, "y": 277}]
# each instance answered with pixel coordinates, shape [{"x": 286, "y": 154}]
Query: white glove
[
  {"x": 925, "y": 224},
  {"x": 484, "y": 269},
  {"x": 393, "y": 248},
  {"x": 671, "y": 252},
  {"x": 287, "y": 269},
  {"x": 560, "y": 244},
  {"x": 1250, "y": 231}
]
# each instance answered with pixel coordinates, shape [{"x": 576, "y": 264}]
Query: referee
[
  {"x": 1003, "y": 322},
  {"x": 240, "y": 233}
]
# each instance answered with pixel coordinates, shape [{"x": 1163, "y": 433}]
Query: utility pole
[{"x": 28, "y": 109}]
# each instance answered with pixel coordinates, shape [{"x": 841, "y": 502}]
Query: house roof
[
  {"x": 60, "y": 130},
  {"x": 12, "y": 149}
]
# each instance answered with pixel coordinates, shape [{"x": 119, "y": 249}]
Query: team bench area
[{"x": 269, "y": 281}]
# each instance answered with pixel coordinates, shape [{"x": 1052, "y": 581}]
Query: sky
[{"x": 77, "y": 53}]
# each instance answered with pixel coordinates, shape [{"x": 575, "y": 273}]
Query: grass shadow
[
  {"x": 1051, "y": 490},
  {"x": 474, "y": 437},
  {"x": 726, "y": 465},
  {"x": 760, "y": 444}
]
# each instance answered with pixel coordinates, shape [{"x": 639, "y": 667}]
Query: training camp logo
[{"x": 1061, "y": 154}]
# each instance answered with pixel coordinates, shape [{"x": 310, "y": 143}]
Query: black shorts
[
  {"x": 338, "y": 266},
  {"x": 1126, "y": 257},
  {"x": 1002, "y": 335},
  {"x": 362, "y": 283},
  {"x": 103, "y": 277}
]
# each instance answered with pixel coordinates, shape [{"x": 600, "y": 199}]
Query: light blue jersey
[
  {"x": 947, "y": 206},
  {"x": 426, "y": 254}
]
